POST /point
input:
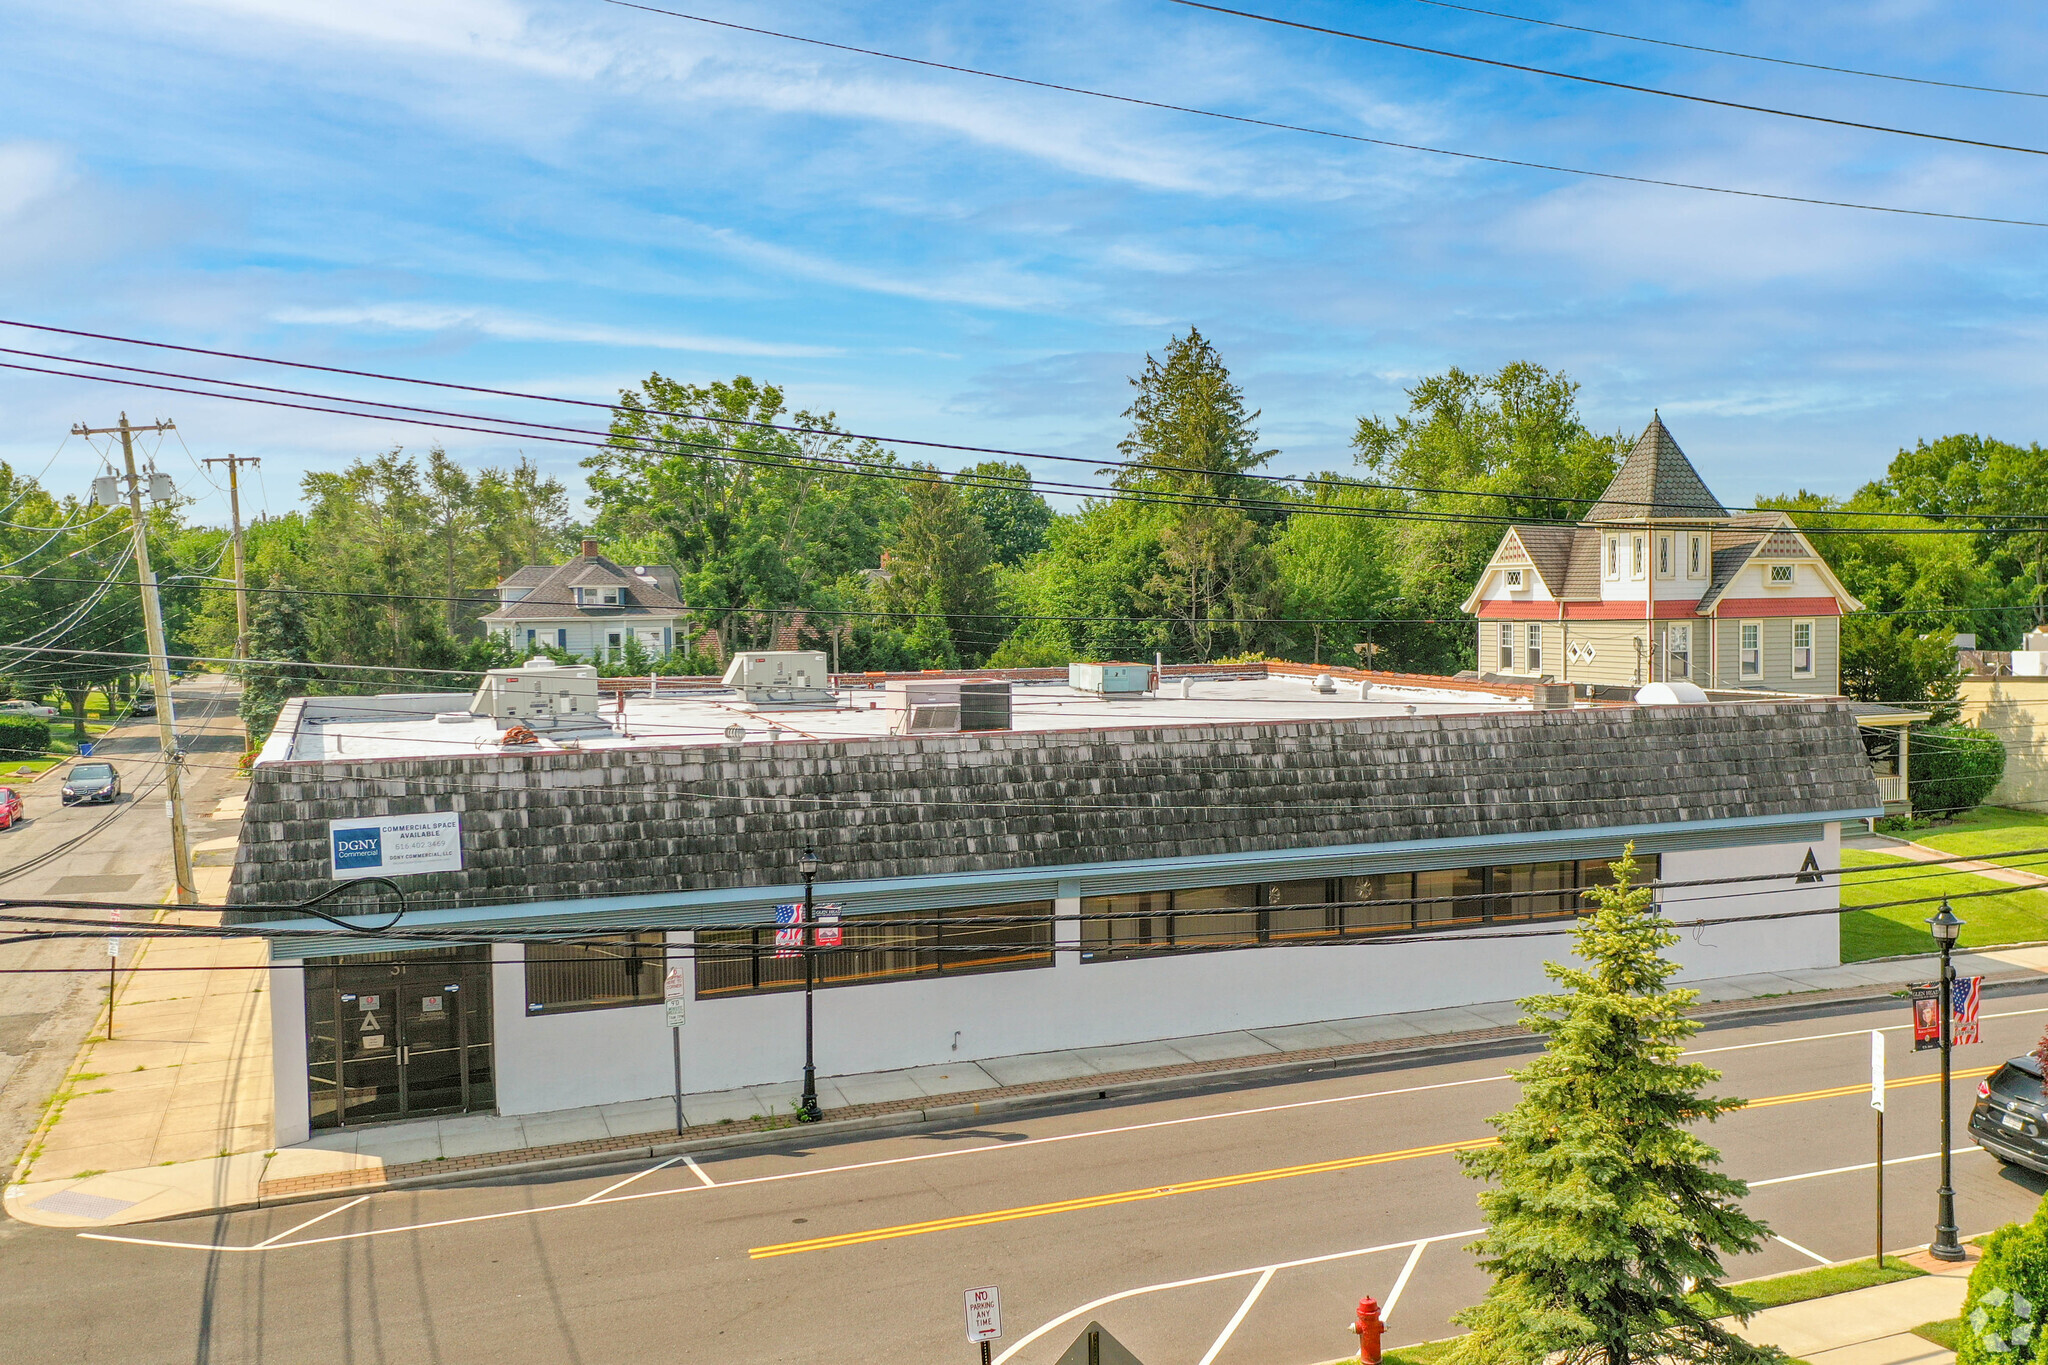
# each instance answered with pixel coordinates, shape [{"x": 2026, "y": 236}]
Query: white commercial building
[{"x": 1019, "y": 865}]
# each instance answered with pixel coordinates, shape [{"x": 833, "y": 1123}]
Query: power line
[
  {"x": 719, "y": 419},
  {"x": 1611, "y": 85},
  {"x": 440, "y": 419},
  {"x": 1727, "y": 52},
  {"x": 1325, "y": 132}
]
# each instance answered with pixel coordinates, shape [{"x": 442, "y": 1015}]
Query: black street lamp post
[
  {"x": 1946, "y": 927},
  {"x": 807, "y": 1107}
]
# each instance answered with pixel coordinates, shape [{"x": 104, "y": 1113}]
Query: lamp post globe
[{"x": 1946, "y": 928}]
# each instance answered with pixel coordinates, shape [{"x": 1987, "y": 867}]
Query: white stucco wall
[
  {"x": 604, "y": 1056},
  {"x": 291, "y": 1088}
]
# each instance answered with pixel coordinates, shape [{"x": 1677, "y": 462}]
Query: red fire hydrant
[{"x": 1369, "y": 1329}]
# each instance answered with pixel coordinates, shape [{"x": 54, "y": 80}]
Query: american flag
[
  {"x": 1965, "y": 996},
  {"x": 789, "y": 930}
]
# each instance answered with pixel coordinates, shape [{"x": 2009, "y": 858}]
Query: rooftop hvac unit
[
  {"x": 783, "y": 678},
  {"x": 946, "y": 706},
  {"x": 1111, "y": 679},
  {"x": 540, "y": 695}
]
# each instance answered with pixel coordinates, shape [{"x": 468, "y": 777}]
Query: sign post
[
  {"x": 113, "y": 961},
  {"x": 984, "y": 1318},
  {"x": 674, "y": 989},
  {"x": 1877, "y": 1103}
]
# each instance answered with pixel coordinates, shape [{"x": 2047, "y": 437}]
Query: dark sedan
[
  {"x": 92, "y": 784},
  {"x": 2011, "y": 1117}
]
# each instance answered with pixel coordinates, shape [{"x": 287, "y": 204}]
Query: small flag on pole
[
  {"x": 1967, "y": 994},
  {"x": 789, "y": 930}
]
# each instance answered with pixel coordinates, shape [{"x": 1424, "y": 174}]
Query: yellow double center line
[{"x": 1225, "y": 1182}]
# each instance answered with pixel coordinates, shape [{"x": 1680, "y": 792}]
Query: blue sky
[{"x": 563, "y": 195}]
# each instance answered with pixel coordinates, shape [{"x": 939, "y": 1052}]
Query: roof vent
[
  {"x": 1671, "y": 694},
  {"x": 1325, "y": 683}
]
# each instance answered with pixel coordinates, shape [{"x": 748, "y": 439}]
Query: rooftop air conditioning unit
[
  {"x": 783, "y": 678},
  {"x": 1111, "y": 679},
  {"x": 540, "y": 695},
  {"x": 945, "y": 706}
]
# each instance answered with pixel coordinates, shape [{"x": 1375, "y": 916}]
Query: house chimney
[{"x": 589, "y": 548}]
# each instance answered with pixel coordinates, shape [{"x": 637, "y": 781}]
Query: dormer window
[
  {"x": 597, "y": 597},
  {"x": 1514, "y": 577},
  {"x": 1781, "y": 575}
]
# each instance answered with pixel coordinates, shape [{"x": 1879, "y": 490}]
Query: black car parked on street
[
  {"x": 2011, "y": 1117},
  {"x": 91, "y": 783}
]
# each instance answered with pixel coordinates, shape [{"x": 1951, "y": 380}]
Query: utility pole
[
  {"x": 235, "y": 462},
  {"x": 153, "y": 625}
]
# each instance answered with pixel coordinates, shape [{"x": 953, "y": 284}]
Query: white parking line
[
  {"x": 1812, "y": 1255},
  {"x": 1401, "y": 1282},
  {"x": 340, "y": 1208},
  {"x": 691, "y": 1162},
  {"x": 1089, "y": 1307},
  {"x": 1230, "y": 1328},
  {"x": 658, "y": 1166}
]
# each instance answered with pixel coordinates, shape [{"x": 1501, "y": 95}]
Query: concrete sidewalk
[
  {"x": 172, "y": 1116},
  {"x": 1921, "y": 853},
  {"x": 1870, "y": 1326}
]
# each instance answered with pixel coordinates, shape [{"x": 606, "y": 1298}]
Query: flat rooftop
[{"x": 439, "y": 725}]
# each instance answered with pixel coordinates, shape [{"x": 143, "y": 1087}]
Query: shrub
[
  {"x": 23, "y": 736},
  {"x": 2008, "y": 1297},
  {"x": 1953, "y": 768},
  {"x": 1017, "y": 652}
]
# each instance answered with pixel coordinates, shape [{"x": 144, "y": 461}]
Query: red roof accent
[{"x": 1778, "y": 606}]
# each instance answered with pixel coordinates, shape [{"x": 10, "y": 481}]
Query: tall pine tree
[{"x": 1607, "y": 1220}]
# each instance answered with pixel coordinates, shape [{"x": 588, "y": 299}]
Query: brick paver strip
[{"x": 1109, "y": 1080}]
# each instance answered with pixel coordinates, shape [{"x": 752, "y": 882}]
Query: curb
[{"x": 934, "y": 1115}]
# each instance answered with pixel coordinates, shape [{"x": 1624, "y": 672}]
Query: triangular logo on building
[{"x": 1809, "y": 871}]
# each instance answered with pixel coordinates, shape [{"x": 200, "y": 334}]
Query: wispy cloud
[{"x": 419, "y": 317}]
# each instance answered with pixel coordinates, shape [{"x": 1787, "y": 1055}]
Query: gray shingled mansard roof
[
  {"x": 552, "y": 599},
  {"x": 604, "y": 822},
  {"x": 1656, "y": 481}
]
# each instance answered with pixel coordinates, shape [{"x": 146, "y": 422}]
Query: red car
[{"x": 11, "y": 812}]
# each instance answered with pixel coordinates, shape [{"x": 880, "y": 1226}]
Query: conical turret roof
[{"x": 1656, "y": 481}]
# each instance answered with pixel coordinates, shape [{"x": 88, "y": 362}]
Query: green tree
[
  {"x": 1607, "y": 1220},
  {"x": 930, "y": 639},
  {"x": 1884, "y": 662},
  {"x": 755, "y": 519},
  {"x": 1012, "y": 514},
  {"x": 942, "y": 561},
  {"x": 1336, "y": 566},
  {"x": 1189, "y": 431},
  {"x": 280, "y": 663},
  {"x": 1215, "y": 580},
  {"x": 1509, "y": 444}
]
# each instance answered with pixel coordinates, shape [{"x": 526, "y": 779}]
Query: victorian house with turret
[{"x": 1661, "y": 583}]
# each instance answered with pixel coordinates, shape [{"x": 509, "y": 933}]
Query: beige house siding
[
  {"x": 1615, "y": 660},
  {"x": 1551, "y": 662},
  {"x": 1777, "y": 655},
  {"x": 2016, "y": 710}
]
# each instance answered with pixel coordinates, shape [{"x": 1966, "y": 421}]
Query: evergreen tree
[
  {"x": 942, "y": 562},
  {"x": 1607, "y": 1221},
  {"x": 280, "y": 646},
  {"x": 929, "y": 638},
  {"x": 1189, "y": 429}
]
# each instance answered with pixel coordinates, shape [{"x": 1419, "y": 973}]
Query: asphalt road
[
  {"x": 1172, "y": 1209},
  {"x": 124, "y": 856}
]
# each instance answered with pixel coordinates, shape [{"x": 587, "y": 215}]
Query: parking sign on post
[{"x": 984, "y": 1317}]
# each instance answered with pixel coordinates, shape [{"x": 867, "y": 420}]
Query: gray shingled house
[
  {"x": 1264, "y": 850},
  {"x": 590, "y": 607}
]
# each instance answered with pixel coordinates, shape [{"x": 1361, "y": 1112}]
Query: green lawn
[
  {"x": 1991, "y": 833},
  {"x": 2020, "y": 917}
]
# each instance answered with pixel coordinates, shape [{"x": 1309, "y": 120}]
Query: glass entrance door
[{"x": 398, "y": 1035}]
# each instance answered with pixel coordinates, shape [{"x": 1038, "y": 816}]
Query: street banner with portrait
[{"x": 1926, "y": 1016}]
